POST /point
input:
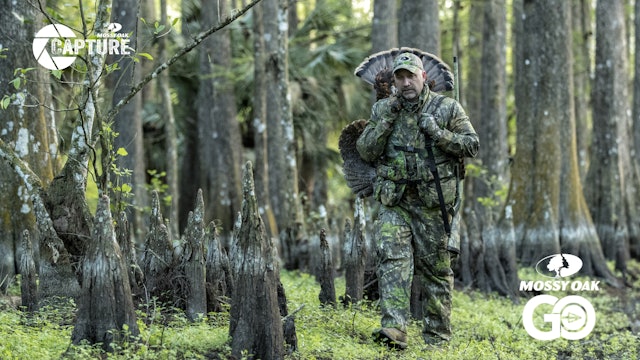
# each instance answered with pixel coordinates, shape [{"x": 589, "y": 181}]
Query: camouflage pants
[{"x": 411, "y": 239}]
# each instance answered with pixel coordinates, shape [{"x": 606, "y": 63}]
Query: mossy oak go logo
[
  {"x": 56, "y": 47},
  {"x": 571, "y": 317}
]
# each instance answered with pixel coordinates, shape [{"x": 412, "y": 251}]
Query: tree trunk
[
  {"x": 612, "y": 179},
  {"x": 171, "y": 134},
  {"x": 635, "y": 248},
  {"x": 545, "y": 195},
  {"x": 55, "y": 268},
  {"x": 259, "y": 122},
  {"x": 65, "y": 198},
  {"x": 219, "y": 136},
  {"x": 128, "y": 122},
  {"x": 105, "y": 308},
  {"x": 634, "y": 242},
  {"x": 326, "y": 274},
  {"x": 257, "y": 277},
  {"x": 283, "y": 178},
  {"x": 26, "y": 126},
  {"x": 355, "y": 256},
  {"x": 536, "y": 169},
  {"x": 149, "y": 13},
  {"x": 583, "y": 39},
  {"x": 384, "y": 27},
  {"x": 313, "y": 160},
  {"x": 420, "y": 25},
  {"x": 491, "y": 261},
  {"x": 29, "y": 275},
  {"x": 471, "y": 98}
]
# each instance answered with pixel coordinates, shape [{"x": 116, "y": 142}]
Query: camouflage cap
[{"x": 408, "y": 61}]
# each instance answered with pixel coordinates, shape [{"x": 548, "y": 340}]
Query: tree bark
[
  {"x": 536, "y": 169},
  {"x": 257, "y": 277},
  {"x": 355, "y": 256},
  {"x": 219, "y": 132},
  {"x": 283, "y": 177},
  {"x": 288, "y": 322},
  {"x": 55, "y": 267},
  {"x": 259, "y": 123},
  {"x": 218, "y": 270},
  {"x": 26, "y": 126},
  {"x": 29, "y": 275},
  {"x": 583, "y": 39},
  {"x": 128, "y": 122},
  {"x": 171, "y": 133},
  {"x": 419, "y": 25},
  {"x": 384, "y": 27},
  {"x": 105, "y": 308},
  {"x": 128, "y": 248},
  {"x": 546, "y": 195},
  {"x": 158, "y": 257},
  {"x": 192, "y": 267},
  {"x": 491, "y": 261},
  {"x": 327, "y": 294},
  {"x": 612, "y": 180},
  {"x": 65, "y": 198},
  {"x": 634, "y": 242}
]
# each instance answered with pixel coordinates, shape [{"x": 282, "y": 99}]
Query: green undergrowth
[{"x": 485, "y": 326}]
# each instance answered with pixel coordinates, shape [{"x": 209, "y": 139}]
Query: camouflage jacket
[{"x": 395, "y": 144}]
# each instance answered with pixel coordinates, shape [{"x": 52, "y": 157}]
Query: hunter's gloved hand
[
  {"x": 429, "y": 125},
  {"x": 395, "y": 105},
  {"x": 390, "y": 112}
]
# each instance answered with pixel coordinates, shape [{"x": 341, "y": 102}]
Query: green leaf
[
  {"x": 126, "y": 188},
  {"x": 57, "y": 74},
  {"x": 146, "y": 56},
  {"x": 16, "y": 83},
  {"x": 122, "y": 152},
  {"x": 5, "y": 102}
]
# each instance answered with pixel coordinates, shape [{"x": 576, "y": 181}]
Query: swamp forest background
[{"x": 551, "y": 87}]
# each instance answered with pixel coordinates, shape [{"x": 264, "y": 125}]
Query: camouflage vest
[{"x": 405, "y": 160}]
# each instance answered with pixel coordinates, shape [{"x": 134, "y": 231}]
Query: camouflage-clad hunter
[{"x": 409, "y": 230}]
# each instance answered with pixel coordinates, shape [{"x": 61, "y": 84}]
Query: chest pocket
[
  {"x": 427, "y": 189},
  {"x": 388, "y": 186}
]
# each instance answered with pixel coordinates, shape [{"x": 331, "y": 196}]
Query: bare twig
[{"x": 293, "y": 313}]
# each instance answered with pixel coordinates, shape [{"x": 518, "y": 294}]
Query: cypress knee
[
  {"x": 105, "y": 306},
  {"x": 255, "y": 324}
]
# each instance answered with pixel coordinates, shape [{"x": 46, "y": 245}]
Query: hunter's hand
[
  {"x": 429, "y": 125},
  {"x": 390, "y": 112},
  {"x": 395, "y": 106}
]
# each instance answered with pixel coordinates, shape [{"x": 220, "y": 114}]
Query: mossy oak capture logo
[
  {"x": 571, "y": 317},
  {"x": 56, "y": 47}
]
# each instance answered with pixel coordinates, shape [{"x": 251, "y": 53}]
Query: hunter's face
[{"x": 409, "y": 85}]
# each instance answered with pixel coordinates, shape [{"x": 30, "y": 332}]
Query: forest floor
[{"x": 485, "y": 326}]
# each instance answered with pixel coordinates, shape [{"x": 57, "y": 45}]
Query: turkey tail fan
[
  {"x": 358, "y": 173},
  {"x": 373, "y": 64},
  {"x": 438, "y": 72}
]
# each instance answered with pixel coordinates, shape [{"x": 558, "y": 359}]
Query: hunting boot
[{"x": 392, "y": 337}]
